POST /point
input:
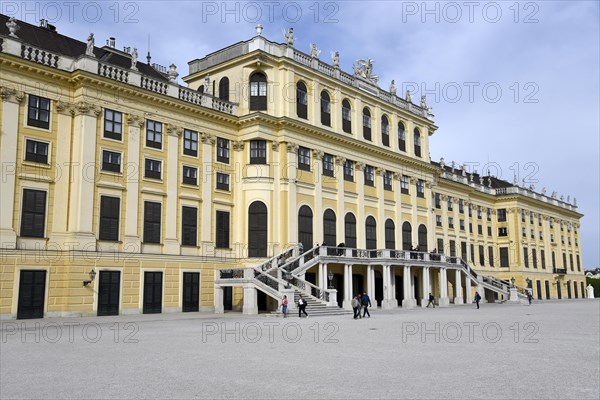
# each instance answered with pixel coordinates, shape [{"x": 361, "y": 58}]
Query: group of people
[
  {"x": 361, "y": 302},
  {"x": 301, "y": 306}
]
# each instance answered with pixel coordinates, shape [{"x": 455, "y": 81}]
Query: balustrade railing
[
  {"x": 234, "y": 273},
  {"x": 112, "y": 72},
  {"x": 39, "y": 56},
  {"x": 154, "y": 85}
]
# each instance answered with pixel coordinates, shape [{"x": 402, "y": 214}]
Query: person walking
[
  {"x": 431, "y": 301},
  {"x": 355, "y": 307},
  {"x": 359, "y": 298},
  {"x": 477, "y": 299},
  {"x": 529, "y": 296},
  {"x": 284, "y": 305},
  {"x": 366, "y": 302},
  {"x": 302, "y": 307}
]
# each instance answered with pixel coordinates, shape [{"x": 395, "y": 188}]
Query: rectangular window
[
  {"x": 472, "y": 253},
  {"x": 489, "y": 214},
  {"x": 525, "y": 257},
  {"x": 152, "y": 221},
  {"x": 387, "y": 181},
  {"x": 420, "y": 188},
  {"x": 222, "y": 230},
  {"x": 450, "y": 222},
  {"x": 502, "y": 215},
  {"x": 470, "y": 227},
  {"x": 489, "y": 231},
  {"x": 551, "y": 223},
  {"x": 552, "y": 237},
  {"x": 543, "y": 257},
  {"x": 534, "y": 258},
  {"x": 438, "y": 201},
  {"x": 503, "y": 232},
  {"x": 452, "y": 248},
  {"x": 440, "y": 246},
  {"x": 478, "y": 212},
  {"x": 564, "y": 260},
  {"x": 190, "y": 175},
  {"x": 461, "y": 206},
  {"x": 480, "y": 229},
  {"x": 504, "y": 257},
  {"x": 36, "y": 151},
  {"x": 153, "y": 168},
  {"x": 222, "y": 181},
  {"x": 539, "y": 219},
  {"x": 450, "y": 203},
  {"x": 111, "y": 161},
  {"x": 258, "y": 152},
  {"x": 190, "y": 143},
  {"x": 463, "y": 250},
  {"x": 113, "y": 124},
  {"x": 470, "y": 211},
  {"x": 223, "y": 150},
  {"x": 578, "y": 263},
  {"x": 524, "y": 232},
  {"x": 304, "y": 158},
  {"x": 369, "y": 176},
  {"x": 189, "y": 226},
  {"x": 531, "y": 218},
  {"x": 532, "y": 234},
  {"x": 571, "y": 262},
  {"x": 38, "y": 112},
  {"x": 462, "y": 224},
  {"x": 491, "y": 256},
  {"x": 404, "y": 184},
  {"x": 481, "y": 256},
  {"x": 33, "y": 213},
  {"x": 109, "y": 218},
  {"x": 349, "y": 171},
  {"x": 328, "y": 165},
  {"x": 438, "y": 220},
  {"x": 522, "y": 215},
  {"x": 153, "y": 134},
  {"x": 541, "y": 234}
]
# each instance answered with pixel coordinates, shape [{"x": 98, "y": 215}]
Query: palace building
[{"x": 125, "y": 192}]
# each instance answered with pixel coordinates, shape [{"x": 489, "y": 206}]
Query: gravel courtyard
[{"x": 549, "y": 350}]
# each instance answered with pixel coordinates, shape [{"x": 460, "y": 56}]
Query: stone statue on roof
[
  {"x": 134, "y": 58},
  {"x": 89, "y": 51},
  {"x": 393, "y": 88},
  {"x": 423, "y": 102},
  {"x": 289, "y": 36},
  {"x": 481, "y": 180},
  {"x": 336, "y": 59},
  {"x": 13, "y": 27},
  {"x": 464, "y": 169},
  {"x": 314, "y": 50},
  {"x": 489, "y": 181},
  {"x": 453, "y": 165},
  {"x": 364, "y": 69},
  {"x": 442, "y": 162}
]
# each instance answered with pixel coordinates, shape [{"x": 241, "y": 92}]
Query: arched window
[
  {"x": 371, "y": 232},
  {"x": 258, "y": 92},
  {"x": 401, "y": 137},
  {"x": 385, "y": 131},
  {"x": 346, "y": 116},
  {"x": 390, "y": 235},
  {"x": 201, "y": 89},
  {"x": 325, "y": 109},
  {"x": 257, "y": 229},
  {"x": 422, "y": 238},
  {"x": 406, "y": 236},
  {"x": 329, "y": 222},
  {"x": 367, "y": 124},
  {"x": 301, "y": 100},
  {"x": 350, "y": 230},
  {"x": 224, "y": 88},
  {"x": 305, "y": 227},
  {"x": 417, "y": 142}
]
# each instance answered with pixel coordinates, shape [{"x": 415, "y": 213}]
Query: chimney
[
  {"x": 111, "y": 42},
  {"x": 43, "y": 23}
]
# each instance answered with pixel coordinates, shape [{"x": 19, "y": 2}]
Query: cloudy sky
[{"x": 513, "y": 85}]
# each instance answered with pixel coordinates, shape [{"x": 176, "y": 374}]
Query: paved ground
[{"x": 549, "y": 350}]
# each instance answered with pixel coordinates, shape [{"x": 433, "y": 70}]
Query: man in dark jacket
[{"x": 366, "y": 303}]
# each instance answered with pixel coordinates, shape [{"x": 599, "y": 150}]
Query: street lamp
[
  {"x": 92, "y": 275},
  {"x": 330, "y": 276},
  {"x": 512, "y": 280}
]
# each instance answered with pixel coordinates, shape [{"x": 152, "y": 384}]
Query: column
[
  {"x": 219, "y": 308},
  {"x": 292, "y": 155},
  {"x": 443, "y": 301},
  {"x": 408, "y": 301},
  {"x": 132, "y": 241},
  {"x": 62, "y": 151},
  {"x": 425, "y": 287},
  {"x": 393, "y": 299},
  {"x": 359, "y": 178},
  {"x": 370, "y": 285},
  {"x": 398, "y": 200},
  {"x": 380, "y": 208},
  {"x": 8, "y": 159},
  {"x": 250, "y": 306},
  {"x": 414, "y": 212},
  {"x": 279, "y": 241},
  {"x": 81, "y": 205},
  {"x": 348, "y": 287},
  {"x": 340, "y": 234},
  {"x": 171, "y": 244},
  {"x": 207, "y": 189},
  {"x": 458, "y": 297},
  {"x": 468, "y": 292},
  {"x": 318, "y": 211}
]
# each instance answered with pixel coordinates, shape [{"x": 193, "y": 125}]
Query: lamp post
[
  {"x": 512, "y": 281},
  {"x": 330, "y": 276}
]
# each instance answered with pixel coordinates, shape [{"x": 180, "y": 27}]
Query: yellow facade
[{"x": 74, "y": 178}]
